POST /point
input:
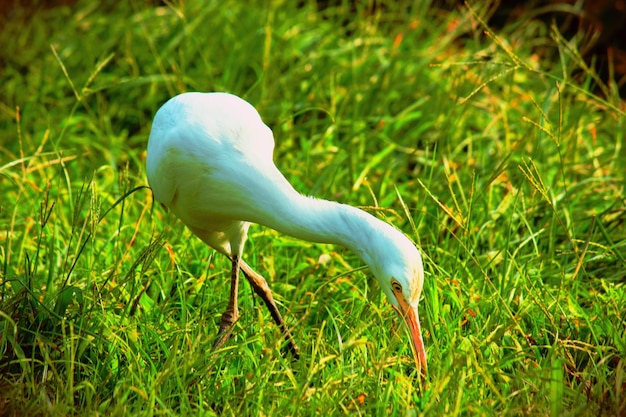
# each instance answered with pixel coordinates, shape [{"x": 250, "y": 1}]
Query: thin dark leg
[
  {"x": 259, "y": 285},
  {"x": 230, "y": 316}
]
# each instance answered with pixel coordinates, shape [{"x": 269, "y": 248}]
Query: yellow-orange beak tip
[{"x": 411, "y": 319}]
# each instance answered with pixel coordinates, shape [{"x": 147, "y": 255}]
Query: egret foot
[
  {"x": 227, "y": 324},
  {"x": 231, "y": 315},
  {"x": 259, "y": 285}
]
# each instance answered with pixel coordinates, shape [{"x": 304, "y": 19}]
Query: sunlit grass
[{"x": 500, "y": 154}]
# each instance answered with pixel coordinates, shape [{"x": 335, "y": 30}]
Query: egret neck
[{"x": 390, "y": 255}]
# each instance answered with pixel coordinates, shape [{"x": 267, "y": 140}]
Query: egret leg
[
  {"x": 230, "y": 316},
  {"x": 260, "y": 286}
]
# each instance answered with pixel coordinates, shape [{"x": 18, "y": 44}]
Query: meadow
[{"x": 500, "y": 153}]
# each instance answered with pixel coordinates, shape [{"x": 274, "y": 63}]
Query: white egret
[{"x": 210, "y": 160}]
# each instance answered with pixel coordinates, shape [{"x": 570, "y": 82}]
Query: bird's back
[{"x": 214, "y": 124}]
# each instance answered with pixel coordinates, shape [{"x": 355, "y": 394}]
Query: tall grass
[{"x": 500, "y": 154}]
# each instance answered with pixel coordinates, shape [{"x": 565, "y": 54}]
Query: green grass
[{"x": 501, "y": 154}]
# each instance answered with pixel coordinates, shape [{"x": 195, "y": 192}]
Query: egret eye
[{"x": 395, "y": 286}]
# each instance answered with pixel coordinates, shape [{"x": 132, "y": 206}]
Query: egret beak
[{"x": 409, "y": 314}]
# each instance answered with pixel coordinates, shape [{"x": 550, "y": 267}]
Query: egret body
[{"x": 210, "y": 161}]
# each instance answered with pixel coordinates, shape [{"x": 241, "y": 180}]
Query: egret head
[{"x": 401, "y": 275}]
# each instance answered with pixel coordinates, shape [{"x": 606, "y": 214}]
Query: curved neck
[{"x": 324, "y": 221}]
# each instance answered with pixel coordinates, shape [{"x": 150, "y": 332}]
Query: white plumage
[{"x": 210, "y": 160}]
